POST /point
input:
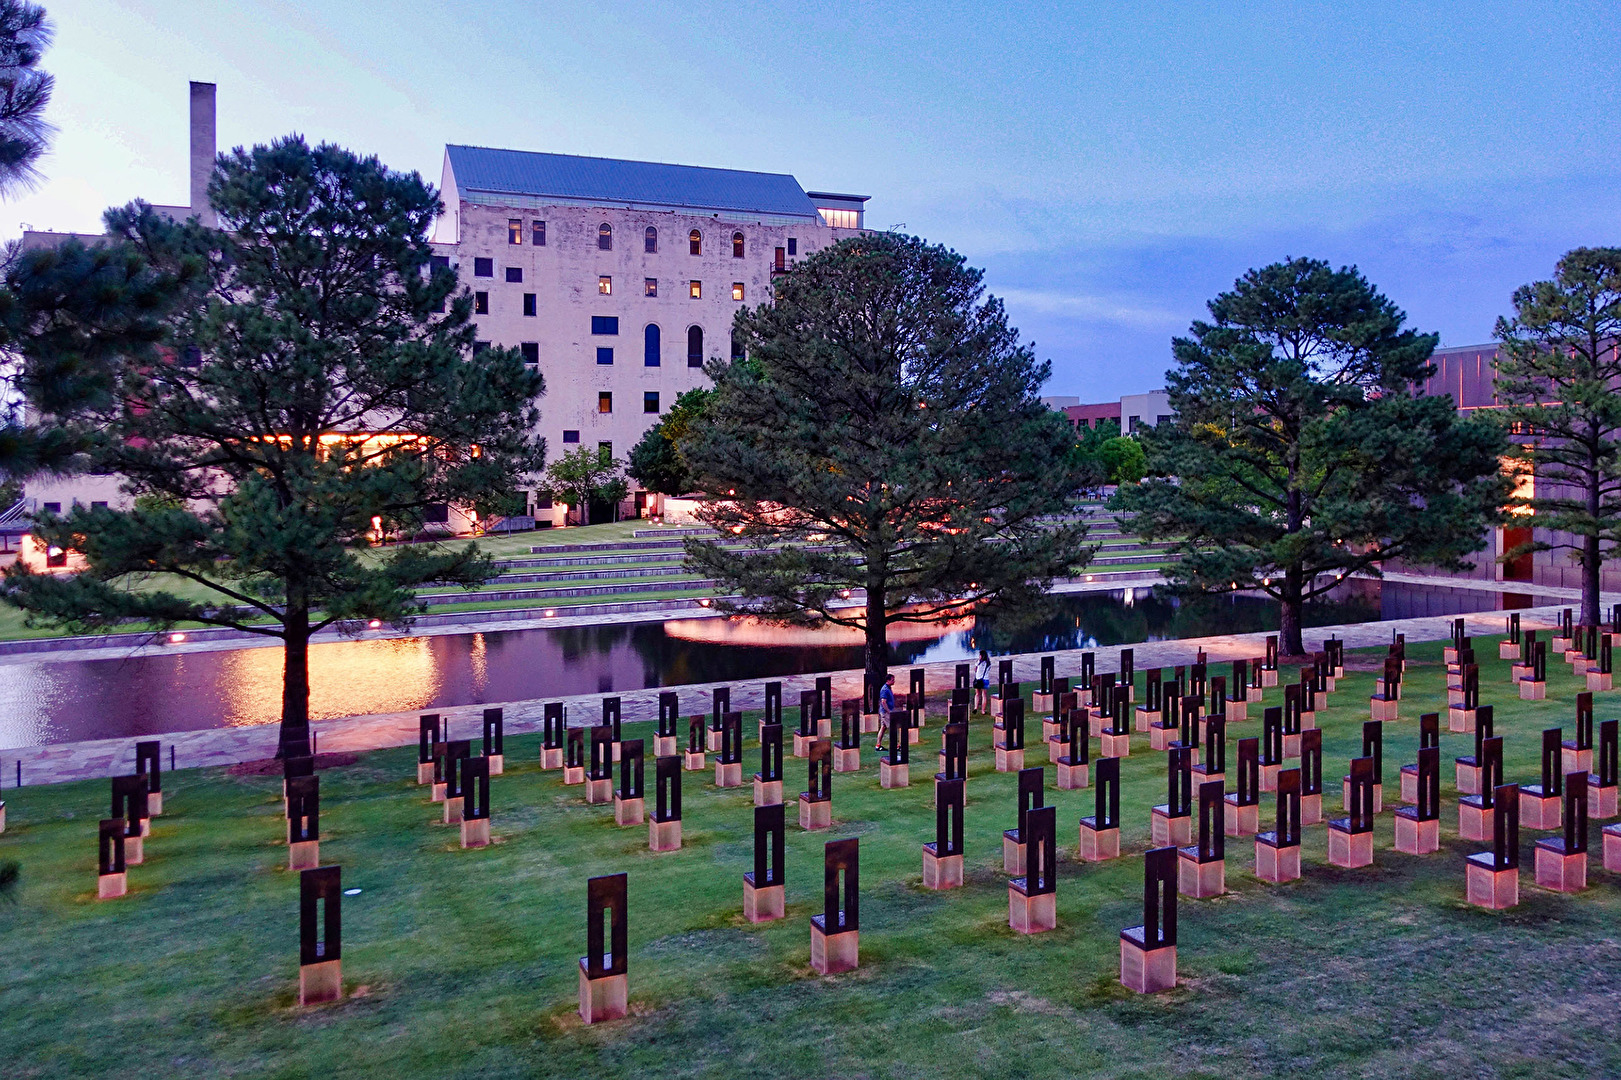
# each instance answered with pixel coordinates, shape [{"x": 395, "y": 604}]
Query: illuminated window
[
  {"x": 737, "y": 245},
  {"x": 839, "y": 219},
  {"x": 537, "y": 233},
  {"x": 531, "y": 352},
  {"x": 650, "y": 286},
  {"x": 650, "y": 401},
  {"x": 605, "y": 236},
  {"x": 695, "y": 290},
  {"x": 514, "y": 275},
  {"x": 605, "y": 401},
  {"x": 514, "y": 230},
  {"x": 529, "y": 304},
  {"x": 650, "y": 240},
  {"x": 695, "y": 346},
  {"x": 605, "y": 355},
  {"x": 605, "y": 324},
  {"x": 605, "y": 286},
  {"x": 481, "y": 303},
  {"x": 737, "y": 290},
  {"x": 695, "y": 242},
  {"x": 483, "y": 267},
  {"x": 650, "y": 345},
  {"x": 571, "y": 436}
]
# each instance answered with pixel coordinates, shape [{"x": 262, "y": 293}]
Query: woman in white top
[{"x": 982, "y": 683}]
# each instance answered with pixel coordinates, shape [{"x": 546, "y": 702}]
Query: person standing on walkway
[
  {"x": 886, "y": 705},
  {"x": 982, "y": 683}
]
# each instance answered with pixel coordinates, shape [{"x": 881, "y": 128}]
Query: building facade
[{"x": 620, "y": 279}]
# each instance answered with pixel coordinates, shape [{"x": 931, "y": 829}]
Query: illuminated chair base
[
  {"x": 320, "y": 982},
  {"x": 941, "y": 871},
  {"x": 1146, "y": 971},
  {"x": 604, "y": 998}
]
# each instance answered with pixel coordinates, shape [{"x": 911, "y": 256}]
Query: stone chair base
[
  {"x": 1378, "y": 796},
  {"x": 870, "y": 723},
  {"x": 1349, "y": 850},
  {"x": 1161, "y": 738},
  {"x": 663, "y": 835},
  {"x": 893, "y": 776},
  {"x": 1202, "y": 776},
  {"x": 1200, "y": 880},
  {"x": 498, "y": 764},
  {"x": 476, "y": 833},
  {"x": 1012, "y": 856},
  {"x": 833, "y": 953},
  {"x": 1167, "y": 831},
  {"x": 664, "y": 746},
  {"x": 1009, "y": 760},
  {"x": 1097, "y": 845},
  {"x": 1041, "y": 704},
  {"x": 453, "y": 805},
  {"x": 304, "y": 855},
  {"x": 824, "y": 727},
  {"x": 439, "y": 789},
  {"x": 424, "y": 774},
  {"x": 599, "y": 792},
  {"x": 112, "y": 886},
  {"x": 1415, "y": 837},
  {"x": 1238, "y": 712},
  {"x": 1095, "y": 723},
  {"x": 1031, "y": 914},
  {"x": 1409, "y": 783},
  {"x": 1601, "y": 801},
  {"x": 320, "y": 982},
  {"x": 628, "y": 811},
  {"x": 847, "y": 760},
  {"x": 815, "y": 815},
  {"x": 1145, "y": 718},
  {"x": 1612, "y": 848},
  {"x": 1561, "y": 872},
  {"x": 763, "y": 904},
  {"x": 1475, "y": 822},
  {"x": 154, "y": 803},
  {"x": 1308, "y": 722},
  {"x": 1598, "y": 681},
  {"x": 693, "y": 761},
  {"x": 712, "y": 739},
  {"x": 1560, "y": 644},
  {"x": 134, "y": 850},
  {"x": 1488, "y": 888},
  {"x": 1269, "y": 677},
  {"x": 941, "y": 871},
  {"x": 1311, "y": 809},
  {"x": 551, "y": 757},
  {"x": 1468, "y": 780},
  {"x": 1269, "y": 776},
  {"x": 1540, "y": 813},
  {"x": 1241, "y": 820},
  {"x": 729, "y": 774},
  {"x": 1116, "y": 746},
  {"x": 1574, "y": 760},
  {"x": 1146, "y": 971},
  {"x": 767, "y": 792},
  {"x": 802, "y": 744},
  {"x": 1385, "y": 708},
  {"x": 1460, "y": 721},
  {"x": 1073, "y": 777},
  {"x": 1531, "y": 690},
  {"x": 1291, "y": 745},
  {"x": 605, "y": 998},
  {"x": 1277, "y": 864},
  {"x": 1508, "y": 650}
]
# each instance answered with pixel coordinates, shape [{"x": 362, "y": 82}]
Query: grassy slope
[{"x": 463, "y": 963}]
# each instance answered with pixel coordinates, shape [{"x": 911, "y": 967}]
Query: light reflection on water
[{"x": 44, "y": 702}]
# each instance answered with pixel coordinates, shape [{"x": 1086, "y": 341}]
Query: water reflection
[{"x": 61, "y": 701}]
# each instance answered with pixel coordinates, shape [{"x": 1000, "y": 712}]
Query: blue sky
[{"x": 1110, "y": 166}]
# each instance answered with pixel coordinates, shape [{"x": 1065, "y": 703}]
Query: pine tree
[
  {"x": 1559, "y": 375},
  {"x": 1301, "y": 452}
]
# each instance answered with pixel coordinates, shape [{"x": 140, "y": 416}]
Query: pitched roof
[{"x": 637, "y": 183}]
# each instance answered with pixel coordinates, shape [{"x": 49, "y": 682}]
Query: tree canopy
[
  {"x": 883, "y": 435},
  {"x": 583, "y": 476},
  {"x": 1559, "y": 377},
  {"x": 655, "y": 461},
  {"x": 1301, "y": 450},
  {"x": 318, "y": 387}
]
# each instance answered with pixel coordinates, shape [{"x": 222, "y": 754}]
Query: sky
[{"x": 1110, "y": 166}]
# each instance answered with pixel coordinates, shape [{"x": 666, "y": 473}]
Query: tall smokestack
[{"x": 202, "y": 150}]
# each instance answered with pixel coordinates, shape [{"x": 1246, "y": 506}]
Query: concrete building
[
  {"x": 1131, "y": 412},
  {"x": 619, "y": 279}
]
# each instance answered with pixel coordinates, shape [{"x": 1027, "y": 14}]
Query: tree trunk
[
  {"x": 295, "y": 680},
  {"x": 1290, "y": 605}
]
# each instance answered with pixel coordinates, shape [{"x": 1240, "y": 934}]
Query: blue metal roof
[{"x": 637, "y": 183}]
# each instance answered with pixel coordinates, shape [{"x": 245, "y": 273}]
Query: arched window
[
  {"x": 695, "y": 346},
  {"x": 651, "y": 240},
  {"x": 737, "y": 245},
  {"x": 650, "y": 345},
  {"x": 695, "y": 241},
  {"x": 605, "y": 236}
]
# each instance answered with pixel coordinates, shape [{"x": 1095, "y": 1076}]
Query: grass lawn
[{"x": 464, "y": 963}]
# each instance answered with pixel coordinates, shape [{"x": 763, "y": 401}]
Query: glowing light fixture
[{"x": 175, "y": 639}]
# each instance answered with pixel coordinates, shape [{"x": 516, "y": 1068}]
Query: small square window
[
  {"x": 483, "y": 267},
  {"x": 571, "y": 436},
  {"x": 515, "y": 275},
  {"x": 737, "y": 290},
  {"x": 605, "y": 356},
  {"x": 481, "y": 303},
  {"x": 537, "y": 233},
  {"x": 529, "y": 304},
  {"x": 605, "y": 286},
  {"x": 480, "y": 346},
  {"x": 695, "y": 290},
  {"x": 605, "y": 324},
  {"x": 514, "y": 230},
  {"x": 650, "y": 286},
  {"x": 605, "y": 401},
  {"x": 52, "y": 507},
  {"x": 793, "y": 246},
  {"x": 531, "y": 352},
  {"x": 650, "y": 401},
  {"x": 605, "y": 452}
]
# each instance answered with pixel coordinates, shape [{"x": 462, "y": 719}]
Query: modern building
[
  {"x": 619, "y": 279},
  {"x": 1131, "y": 412}
]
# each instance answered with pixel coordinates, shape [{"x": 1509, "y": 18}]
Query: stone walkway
[{"x": 228, "y": 746}]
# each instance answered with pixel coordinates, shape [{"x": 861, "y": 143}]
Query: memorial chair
[
  {"x": 1100, "y": 833},
  {"x": 112, "y": 879},
  {"x": 694, "y": 758},
  {"x": 1214, "y": 765},
  {"x": 942, "y": 856},
  {"x": 456, "y": 753},
  {"x": 1509, "y": 647},
  {"x": 1534, "y": 686},
  {"x": 763, "y": 887},
  {"x": 629, "y": 802},
  {"x": 1277, "y": 852},
  {"x": 1010, "y": 750},
  {"x": 1469, "y": 767},
  {"x": 816, "y": 804},
  {"x": 475, "y": 823},
  {"x": 1576, "y": 755},
  {"x": 1269, "y": 664},
  {"x": 604, "y": 969},
  {"x": 304, "y": 823},
  {"x": 1418, "y": 827},
  {"x": 808, "y": 724},
  {"x": 428, "y": 734},
  {"x": 612, "y": 715},
  {"x": 1350, "y": 838},
  {"x": 573, "y": 759},
  {"x": 148, "y": 763},
  {"x": 1429, "y": 734},
  {"x": 847, "y": 747},
  {"x": 494, "y": 740},
  {"x": 1243, "y": 813},
  {"x": 666, "y": 734},
  {"x": 1148, "y": 951},
  {"x": 1148, "y": 713},
  {"x": 1601, "y": 785},
  {"x": 1311, "y": 777},
  {"x": 553, "y": 732},
  {"x": 1171, "y": 821},
  {"x": 599, "y": 775},
  {"x": 664, "y": 829},
  {"x": 729, "y": 765},
  {"x": 1562, "y": 860},
  {"x": 1477, "y": 812},
  {"x": 1074, "y": 762},
  {"x": 835, "y": 933},
  {"x": 320, "y": 935},
  {"x": 1373, "y": 748},
  {"x": 1492, "y": 878},
  {"x": 768, "y": 781},
  {"x": 1030, "y": 796},
  {"x": 1463, "y": 710},
  {"x": 1202, "y": 866},
  {"x": 1540, "y": 804},
  {"x": 1385, "y": 704},
  {"x": 1600, "y": 676},
  {"x": 895, "y": 766},
  {"x": 1032, "y": 897}
]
